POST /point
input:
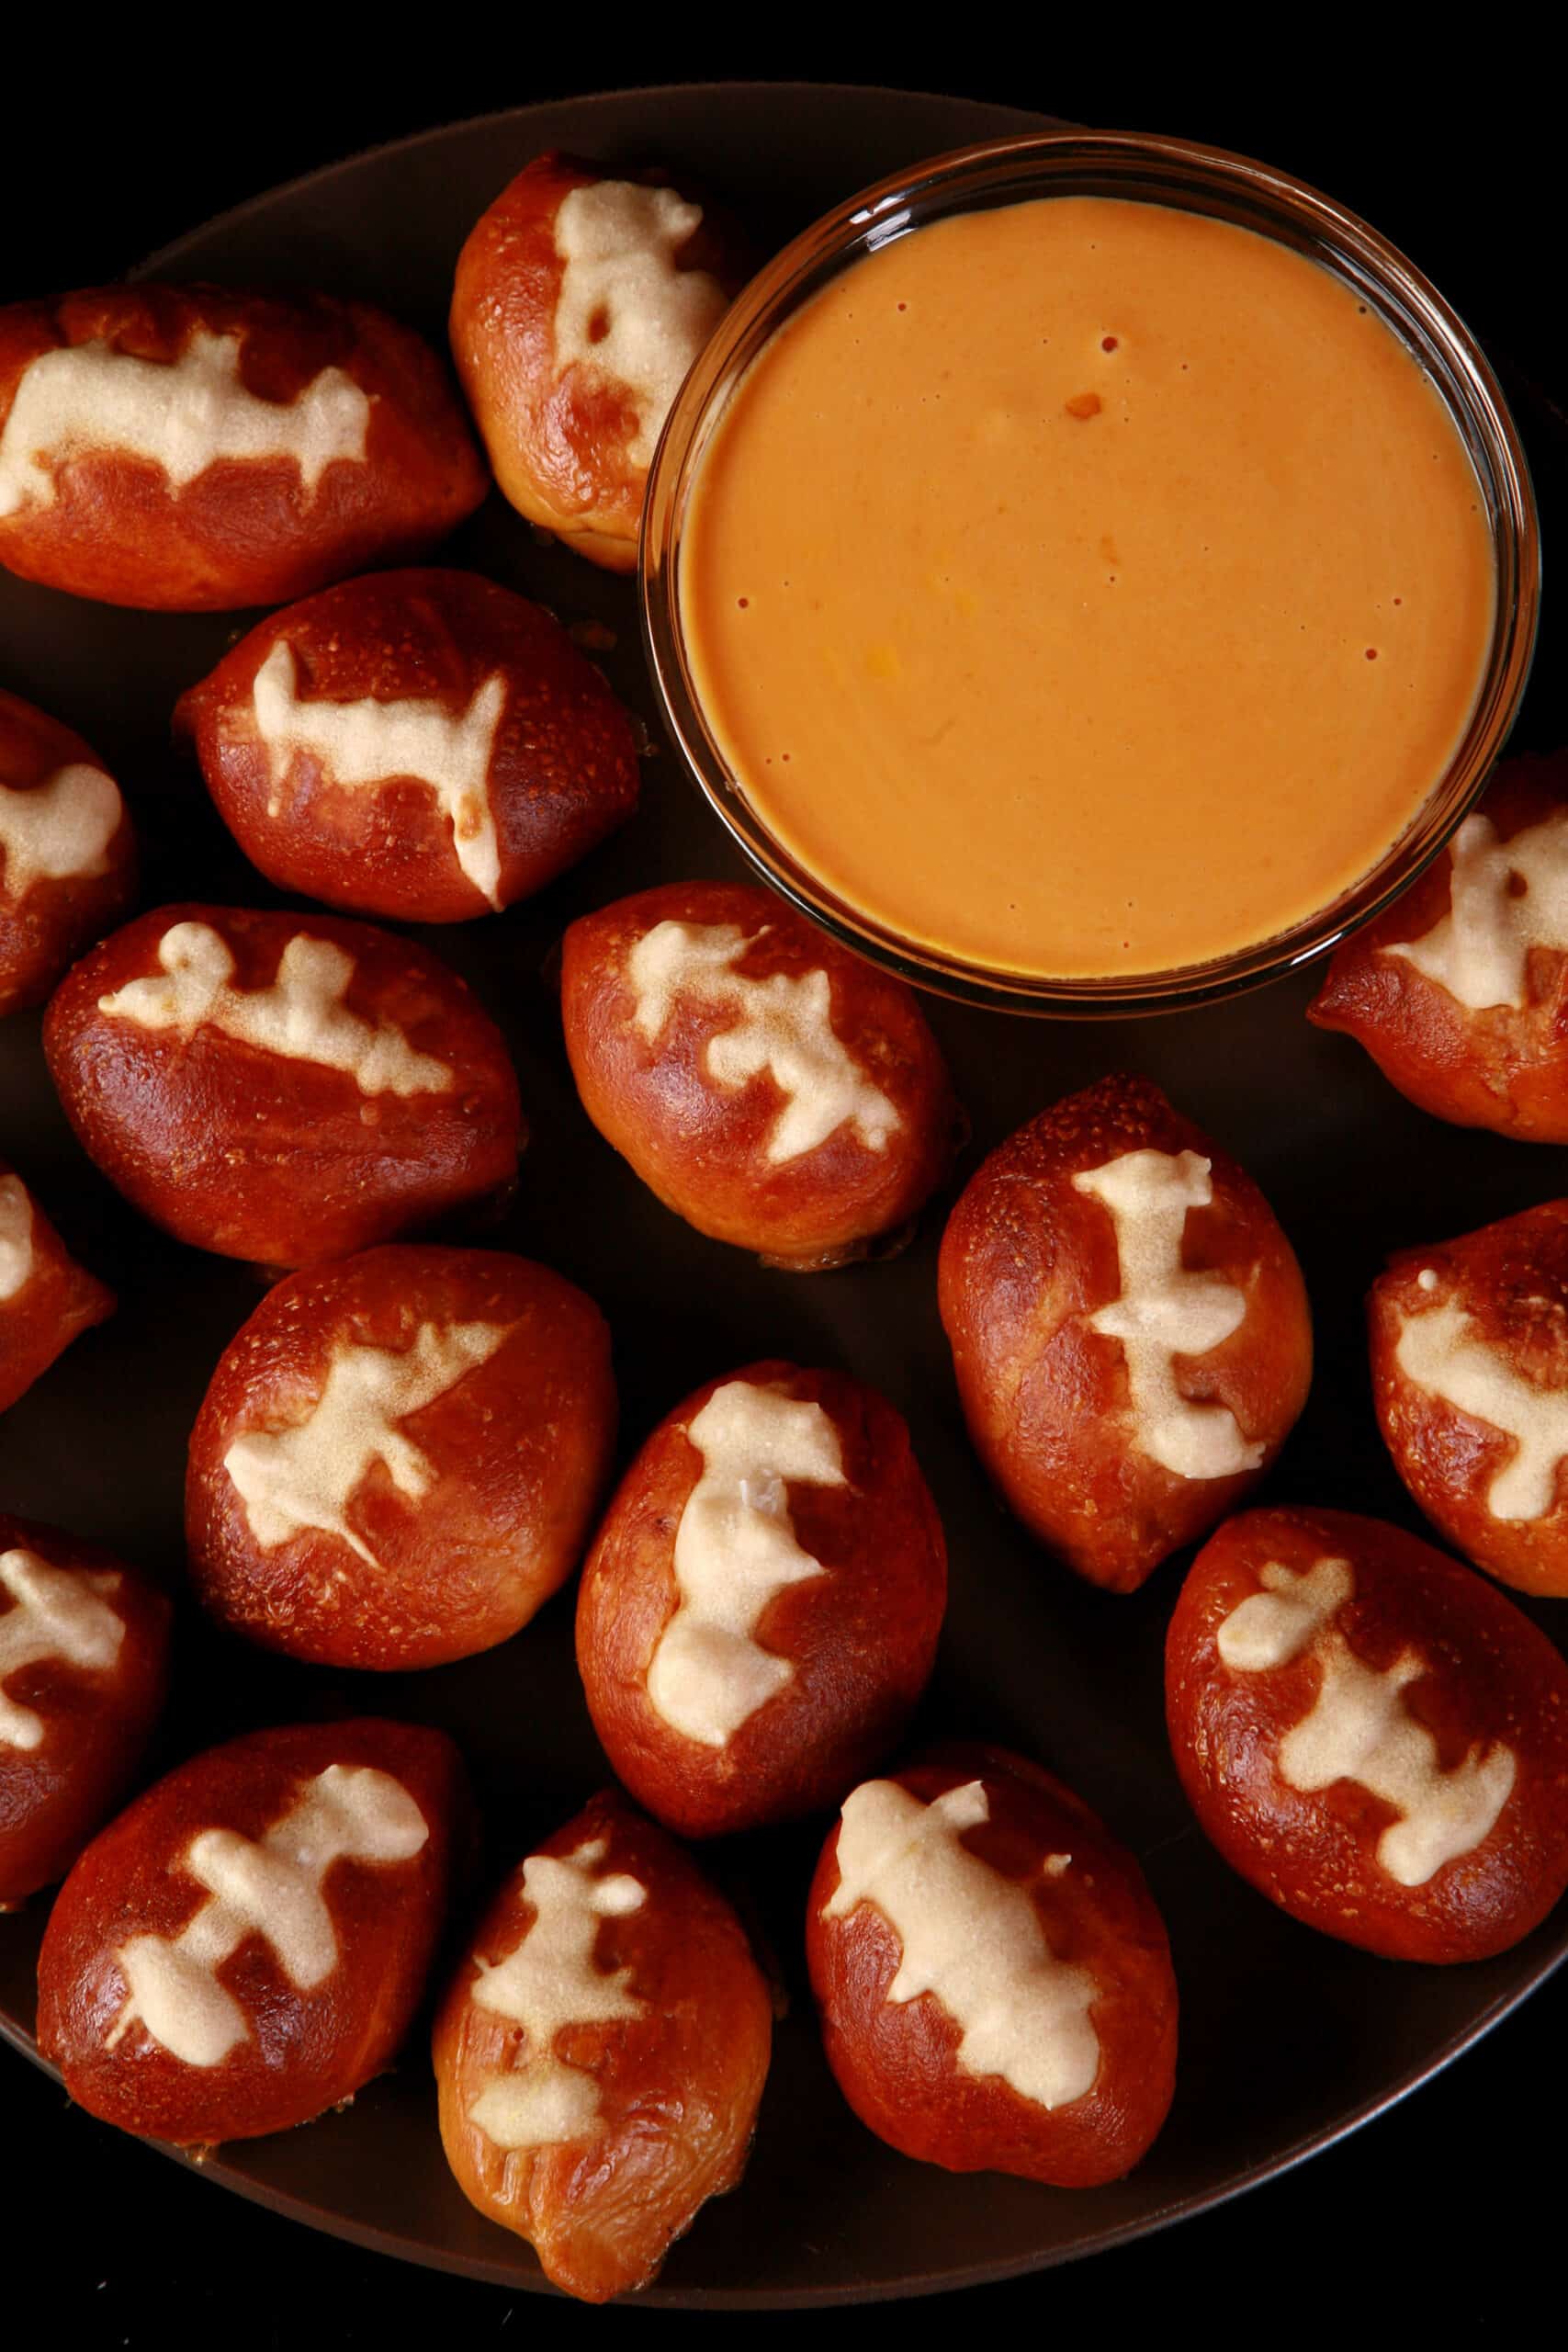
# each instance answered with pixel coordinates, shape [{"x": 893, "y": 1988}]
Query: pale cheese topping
[
  {"x": 16, "y": 1238},
  {"x": 1505, "y": 898},
  {"x": 626, "y": 312},
  {"x": 971, "y": 1938},
  {"x": 1163, "y": 1312},
  {"x": 181, "y": 416},
  {"x": 60, "y": 832},
  {"x": 272, "y": 1888},
  {"x": 300, "y": 1015},
  {"x": 1442, "y": 1353},
  {"x": 1360, "y": 1727},
  {"x": 548, "y": 1984},
  {"x": 305, "y": 1476},
  {"x": 54, "y": 1613},
  {"x": 367, "y": 743},
  {"x": 735, "y": 1549},
  {"x": 783, "y": 1027}
]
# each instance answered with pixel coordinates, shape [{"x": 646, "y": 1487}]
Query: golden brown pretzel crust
[
  {"x": 560, "y": 443},
  {"x": 47, "y": 923},
  {"x": 677, "y": 2086},
  {"x": 1489, "y": 1675},
  {"x": 59, "y": 1301},
  {"x": 1027, "y": 1259},
  {"x": 245, "y": 531},
  {"x": 1510, "y": 1279},
  {"x": 1502, "y": 1066}
]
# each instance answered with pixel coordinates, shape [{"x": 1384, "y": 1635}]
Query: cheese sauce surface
[{"x": 1086, "y": 587}]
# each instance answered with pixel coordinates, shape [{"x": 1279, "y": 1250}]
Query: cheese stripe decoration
[
  {"x": 182, "y": 418},
  {"x": 548, "y": 1984},
  {"x": 626, "y": 312},
  {"x": 1360, "y": 1727},
  {"x": 53, "y": 1615},
  {"x": 1442, "y": 1353},
  {"x": 971, "y": 1938},
  {"x": 16, "y": 1238},
  {"x": 1164, "y": 1312},
  {"x": 272, "y": 1890},
  {"x": 58, "y": 831},
  {"x": 302, "y": 1015},
  {"x": 735, "y": 1549},
  {"x": 307, "y": 1475},
  {"x": 367, "y": 742},
  {"x": 1505, "y": 898},
  {"x": 785, "y": 1027}
]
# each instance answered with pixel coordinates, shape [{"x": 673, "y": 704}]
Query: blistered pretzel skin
[
  {"x": 67, "y": 851},
  {"x": 398, "y": 1457},
  {"x": 1468, "y": 1345},
  {"x": 84, "y": 1667},
  {"x": 1130, "y": 1331},
  {"x": 424, "y": 745},
  {"x": 1371, "y": 1734},
  {"x": 580, "y": 302},
  {"x": 600, "y": 2052},
  {"x": 760, "y": 1609},
  {"x": 768, "y": 1086},
  {"x": 46, "y": 1298},
  {"x": 992, "y": 1975},
  {"x": 282, "y": 1088},
  {"x": 247, "y": 1945},
  {"x": 1460, "y": 991},
  {"x": 190, "y": 448}
]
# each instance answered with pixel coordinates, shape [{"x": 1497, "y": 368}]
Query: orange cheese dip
[{"x": 1086, "y": 587}]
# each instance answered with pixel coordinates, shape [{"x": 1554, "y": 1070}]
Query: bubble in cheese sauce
[
  {"x": 60, "y": 832},
  {"x": 272, "y": 1888},
  {"x": 182, "y": 416},
  {"x": 305, "y": 1476},
  {"x": 1163, "y": 1312},
  {"x": 54, "y": 1613},
  {"x": 970, "y": 1937},
  {"x": 1505, "y": 898},
  {"x": 302, "y": 1015},
  {"x": 1360, "y": 1727},
  {"x": 625, "y": 314},
  {"x": 366, "y": 743},
  {"x": 547, "y": 1984},
  {"x": 783, "y": 1027},
  {"x": 1442, "y": 1352},
  {"x": 16, "y": 1238},
  {"x": 735, "y": 1550}
]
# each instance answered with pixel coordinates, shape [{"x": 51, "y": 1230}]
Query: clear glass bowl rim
[{"x": 1158, "y": 169}]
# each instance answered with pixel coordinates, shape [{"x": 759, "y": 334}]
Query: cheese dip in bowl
[{"x": 1090, "y": 573}]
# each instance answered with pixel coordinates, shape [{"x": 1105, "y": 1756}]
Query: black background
[{"x": 1444, "y": 2216}]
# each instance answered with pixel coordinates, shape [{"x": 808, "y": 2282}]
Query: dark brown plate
[{"x": 1288, "y": 2039}]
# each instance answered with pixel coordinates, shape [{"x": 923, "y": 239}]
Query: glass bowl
[{"x": 1168, "y": 172}]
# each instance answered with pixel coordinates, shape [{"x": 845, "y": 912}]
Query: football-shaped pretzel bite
[
  {"x": 424, "y": 745},
  {"x": 46, "y": 1298},
  {"x": 399, "y": 1455},
  {"x": 771, "y": 1088},
  {"x": 601, "y": 2051},
  {"x": 1129, "y": 1328},
  {"x": 992, "y": 1975},
  {"x": 67, "y": 852},
  {"x": 1460, "y": 991},
  {"x": 580, "y": 303},
  {"x": 247, "y": 1944},
  {"x": 760, "y": 1609},
  {"x": 1470, "y": 1377},
  {"x": 1370, "y": 1734},
  {"x": 282, "y": 1088},
  {"x": 189, "y": 450},
  {"x": 83, "y": 1666}
]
